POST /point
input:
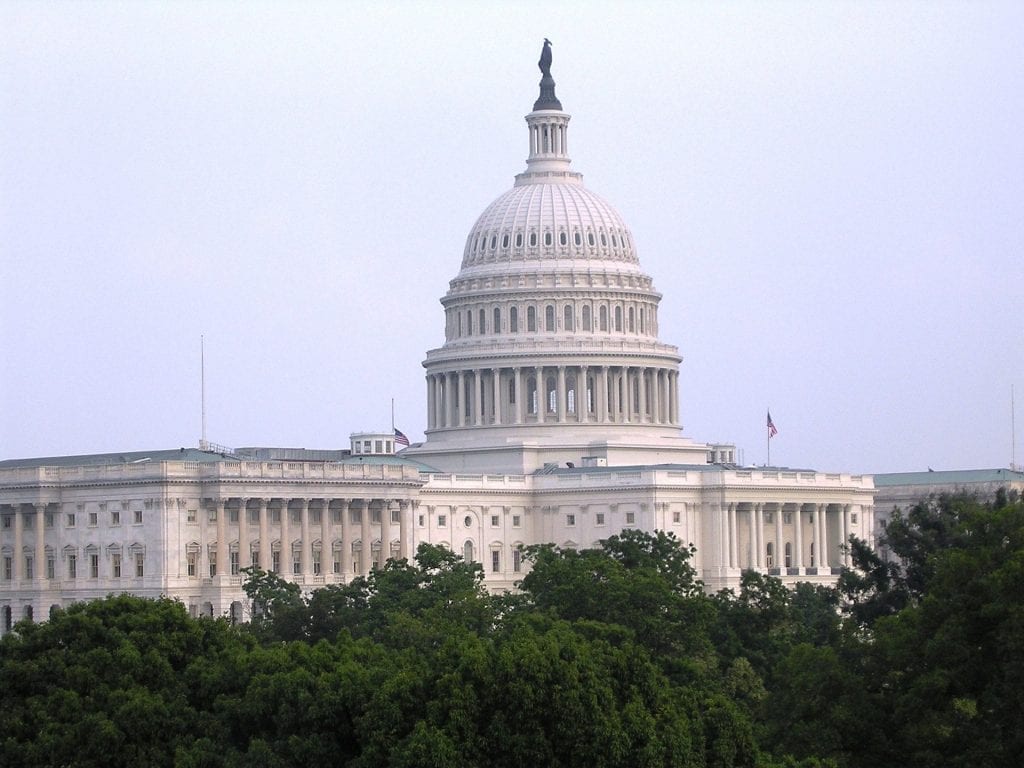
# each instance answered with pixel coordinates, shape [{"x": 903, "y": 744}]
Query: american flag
[
  {"x": 401, "y": 439},
  {"x": 772, "y": 431}
]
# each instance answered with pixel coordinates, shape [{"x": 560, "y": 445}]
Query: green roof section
[
  {"x": 123, "y": 457},
  {"x": 949, "y": 477}
]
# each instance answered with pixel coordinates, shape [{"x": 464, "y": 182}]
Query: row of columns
[
  {"x": 39, "y": 543},
  {"x": 756, "y": 556},
  {"x": 598, "y": 394},
  {"x": 345, "y": 508}
]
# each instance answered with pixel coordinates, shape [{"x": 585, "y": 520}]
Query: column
[
  {"x": 759, "y": 538},
  {"x": 823, "y": 527},
  {"x": 752, "y": 536},
  {"x": 460, "y": 397},
  {"x": 404, "y": 515},
  {"x": 656, "y": 396},
  {"x": 286, "y": 544},
  {"x": 478, "y": 399},
  {"x": 582, "y": 397},
  {"x": 366, "y": 552},
  {"x": 39, "y": 573},
  {"x": 449, "y": 400},
  {"x": 846, "y": 535},
  {"x": 798, "y": 535},
  {"x": 19, "y": 545},
  {"x": 641, "y": 383},
  {"x": 326, "y": 548},
  {"x": 346, "y": 539},
  {"x": 561, "y": 396},
  {"x": 430, "y": 401},
  {"x": 780, "y": 546},
  {"x": 265, "y": 561},
  {"x": 520, "y": 394},
  {"x": 733, "y": 542},
  {"x": 222, "y": 538},
  {"x": 305, "y": 554},
  {"x": 541, "y": 394},
  {"x": 244, "y": 558},
  {"x": 601, "y": 399},
  {"x": 496, "y": 394},
  {"x": 385, "y": 533}
]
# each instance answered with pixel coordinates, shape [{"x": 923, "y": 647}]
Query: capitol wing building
[{"x": 553, "y": 416}]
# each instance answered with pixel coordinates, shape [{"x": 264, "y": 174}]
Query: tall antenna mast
[
  {"x": 202, "y": 391},
  {"x": 1013, "y": 432}
]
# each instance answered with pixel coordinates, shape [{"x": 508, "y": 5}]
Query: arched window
[
  {"x": 632, "y": 320},
  {"x": 467, "y": 551},
  {"x": 496, "y": 326},
  {"x": 570, "y": 394},
  {"x": 643, "y": 319},
  {"x": 577, "y": 238},
  {"x": 549, "y": 317},
  {"x": 590, "y": 239},
  {"x": 494, "y": 241},
  {"x": 531, "y": 394},
  {"x": 603, "y": 317},
  {"x": 460, "y": 323},
  {"x": 512, "y": 391},
  {"x": 604, "y": 240},
  {"x": 789, "y": 554},
  {"x": 513, "y": 320},
  {"x": 519, "y": 239},
  {"x": 483, "y": 321},
  {"x": 547, "y": 238},
  {"x": 563, "y": 239},
  {"x": 533, "y": 239},
  {"x": 504, "y": 240},
  {"x": 618, "y": 318},
  {"x": 769, "y": 552},
  {"x": 531, "y": 318},
  {"x": 568, "y": 318},
  {"x": 552, "y": 391},
  {"x": 469, "y": 322},
  {"x": 586, "y": 318}
]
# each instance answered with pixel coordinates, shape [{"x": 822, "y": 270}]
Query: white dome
[{"x": 548, "y": 221}]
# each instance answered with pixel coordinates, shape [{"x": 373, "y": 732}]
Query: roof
[
  {"x": 123, "y": 457},
  {"x": 563, "y": 470},
  {"x": 949, "y": 477}
]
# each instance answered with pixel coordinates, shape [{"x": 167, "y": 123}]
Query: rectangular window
[
  {"x": 254, "y": 559},
  {"x": 495, "y": 561},
  {"x": 421, "y": 521},
  {"x": 676, "y": 516},
  {"x": 7, "y": 521},
  {"x": 442, "y": 521},
  {"x": 337, "y": 562},
  {"x": 495, "y": 521},
  {"x": 275, "y": 515},
  {"x": 94, "y": 566},
  {"x": 254, "y": 516},
  {"x": 275, "y": 562},
  {"x": 191, "y": 515},
  {"x": 336, "y": 516},
  {"x": 853, "y": 518},
  {"x": 138, "y": 517},
  {"x": 396, "y": 515},
  {"x": 787, "y": 518},
  {"x": 93, "y": 518},
  {"x": 234, "y": 563},
  {"x": 72, "y": 566},
  {"x": 599, "y": 518},
  {"x": 190, "y": 560},
  {"x": 71, "y": 520},
  {"x": 293, "y": 515},
  {"x": 115, "y": 518},
  {"x": 115, "y": 566},
  {"x": 316, "y": 562},
  {"x": 517, "y": 559},
  {"x": 49, "y": 519},
  {"x": 314, "y": 516},
  {"x": 211, "y": 515},
  {"x": 378, "y": 446},
  {"x": 515, "y": 521},
  {"x": 233, "y": 515},
  {"x": 296, "y": 566},
  {"x": 140, "y": 565},
  {"x": 768, "y": 517},
  {"x": 213, "y": 564},
  {"x": 630, "y": 518},
  {"x": 570, "y": 520},
  {"x": 28, "y": 566},
  {"x": 375, "y": 516},
  {"x": 8, "y": 568},
  {"x": 28, "y": 521},
  {"x": 51, "y": 567}
]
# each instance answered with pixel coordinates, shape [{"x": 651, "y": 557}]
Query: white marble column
[
  {"x": 222, "y": 538},
  {"x": 19, "y": 545},
  {"x": 641, "y": 383},
  {"x": 733, "y": 538},
  {"x": 780, "y": 546},
  {"x": 346, "y": 539},
  {"x": 404, "y": 525},
  {"x": 496, "y": 393},
  {"x": 584, "y": 394},
  {"x": 561, "y": 396},
  {"x": 541, "y": 394},
  {"x": 244, "y": 556},
  {"x": 39, "y": 574},
  {"x": 798, "y": 535},
  {"x": 366, "y": 551},
  {"x": 306, "y": 553},
  {"x": 520, "y": 393},
  {"x": 265, "y": 558}
]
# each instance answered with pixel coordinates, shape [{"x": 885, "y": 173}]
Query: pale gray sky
[{"x": 829, "y": 196}]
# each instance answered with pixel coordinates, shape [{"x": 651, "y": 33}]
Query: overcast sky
[{"x": 830, "y": 196}]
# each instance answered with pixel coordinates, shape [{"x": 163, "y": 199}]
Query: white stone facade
[{"x": 553, "y": 416}]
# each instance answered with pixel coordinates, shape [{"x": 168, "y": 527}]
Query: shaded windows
[
  {"x": 533, "y": 239},
  {"x": 563, "y": 239},
  {"x": 568, "y": 318},
  {"x": 513, "y": 320},
  {"x": 586, "y": 318},
  {"x": 531, "y": 318},
  {"x": 483, "y": 321},
  {"x": 496, "y": 324},
  {"x": 549, "y": 317},
  {"x": 519, "y": 240},
  {"x": 632, "y": 320},
  {"x": 603, "y": 317},
  {"x": 547, "y": 238},
  {"x": 577, "y": 238},
  {"x": 618, "y": 318}
]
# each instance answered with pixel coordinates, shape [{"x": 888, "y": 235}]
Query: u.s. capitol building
[{"x": 553, "y": 415}]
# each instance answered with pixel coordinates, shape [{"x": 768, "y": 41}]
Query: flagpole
[
  {"x": 768, "y": 439},
  {"x": 392, "y": 415}
]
